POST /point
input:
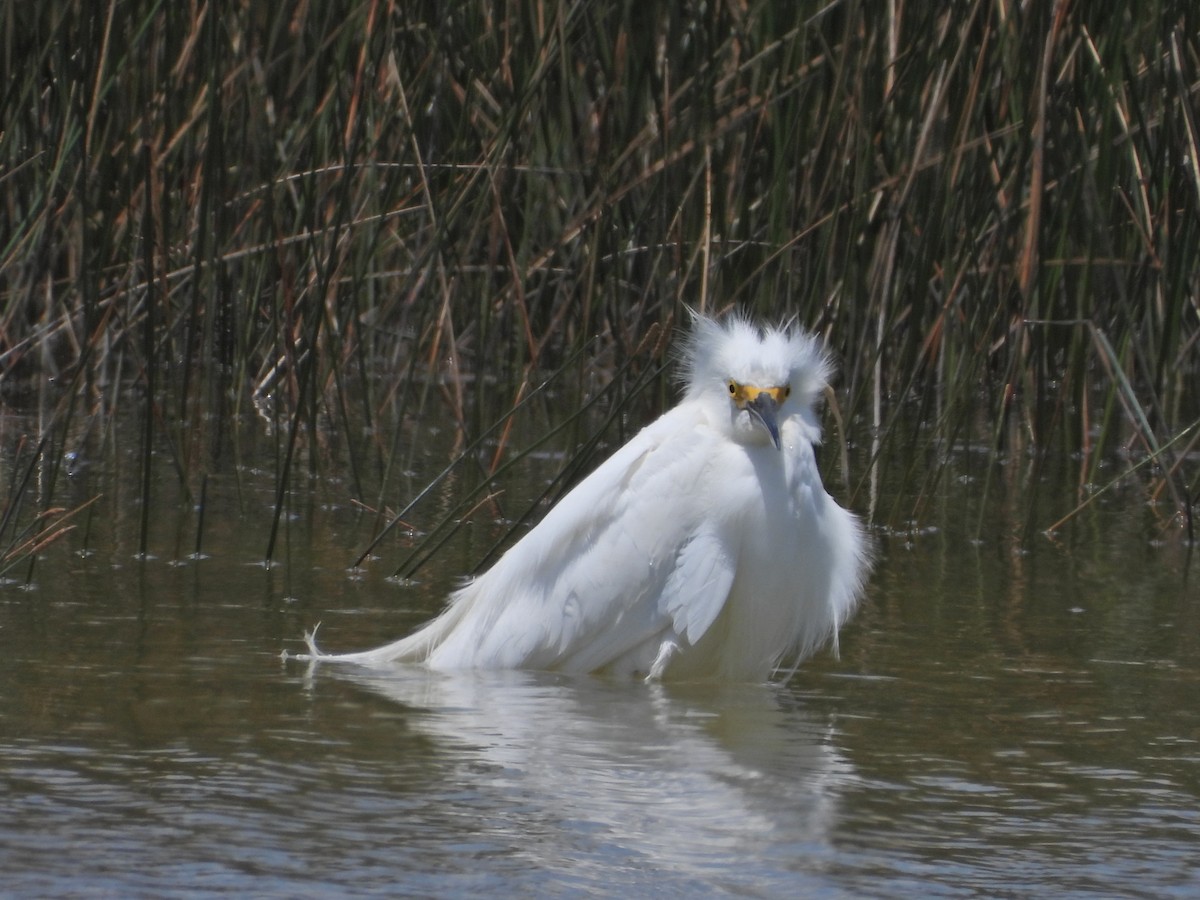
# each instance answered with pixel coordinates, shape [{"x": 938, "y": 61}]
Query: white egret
[{"x": 706, "y": 547}]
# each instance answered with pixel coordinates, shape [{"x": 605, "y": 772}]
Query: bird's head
[{"x": 763, "y": 376}]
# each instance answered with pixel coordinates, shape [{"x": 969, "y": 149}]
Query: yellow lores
[
  {"x": 706, "y": 547},
  {"x": 763, "y": 404}
]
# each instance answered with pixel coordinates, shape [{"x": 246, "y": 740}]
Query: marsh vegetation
[{"x": 303, "y": 227}]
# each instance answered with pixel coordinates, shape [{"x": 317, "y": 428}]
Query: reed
[{"x": 990, "y": 210}]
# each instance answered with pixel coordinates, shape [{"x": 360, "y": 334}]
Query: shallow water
[{"x": 1005, "y": 719}]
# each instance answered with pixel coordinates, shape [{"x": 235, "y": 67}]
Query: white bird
[{"x": 705, "y": 548}]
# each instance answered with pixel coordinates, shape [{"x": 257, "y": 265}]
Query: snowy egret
[{"x": 706, "y": 547}]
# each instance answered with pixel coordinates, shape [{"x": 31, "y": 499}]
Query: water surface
[{"x": 1006, "y": 718}]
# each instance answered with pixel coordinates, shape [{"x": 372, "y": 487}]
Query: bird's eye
[
  {"x": 733, "y": 387},
  {"x": 787, "y": 391}
]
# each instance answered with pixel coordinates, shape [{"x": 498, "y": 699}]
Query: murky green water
[{"x": 1003, "y": 721}]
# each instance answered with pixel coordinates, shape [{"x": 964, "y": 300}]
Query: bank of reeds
[{"x": 991, "y": 211}]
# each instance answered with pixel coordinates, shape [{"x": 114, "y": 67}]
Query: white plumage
[{"x": 706, "y": 547}]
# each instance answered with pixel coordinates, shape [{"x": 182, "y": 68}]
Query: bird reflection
[{"x": 672, "y": 778}]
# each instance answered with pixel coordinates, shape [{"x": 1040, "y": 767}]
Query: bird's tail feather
[
  {"x": 412, "y": 649},
  {"x": 416, "y": 648}
]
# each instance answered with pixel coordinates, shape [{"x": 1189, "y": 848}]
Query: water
[{"x": 1006, "y": 718}]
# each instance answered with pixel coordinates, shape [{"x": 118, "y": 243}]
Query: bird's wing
[
  {"x": 630, "y": 554},
  {"x": 697, "y": 587}
]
